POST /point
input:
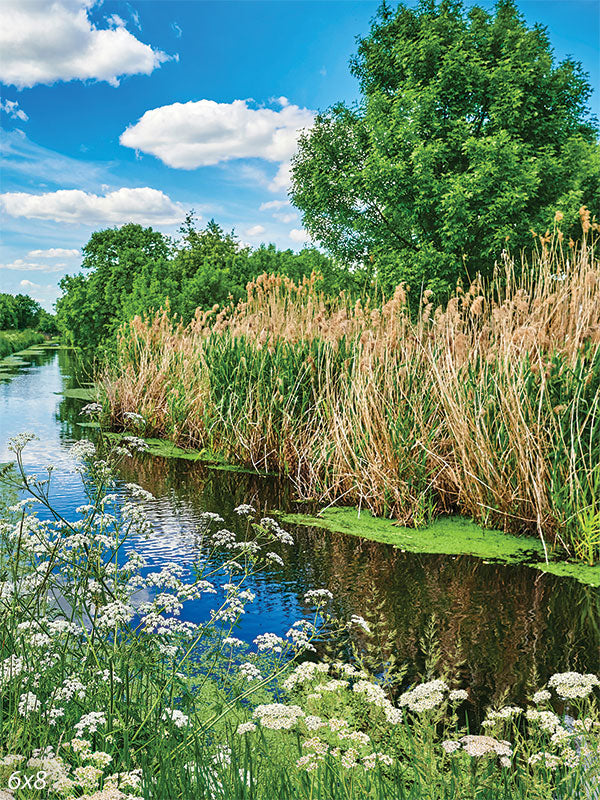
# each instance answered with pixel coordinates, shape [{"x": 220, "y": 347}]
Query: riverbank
[
  {"x": 14, "y": 341},
  {"x": 488, "y": 407}
]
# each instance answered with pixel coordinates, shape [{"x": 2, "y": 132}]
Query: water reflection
[{"x": 498, "y": 627}]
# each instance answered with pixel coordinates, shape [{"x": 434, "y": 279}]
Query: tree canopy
[
  {"x": 467, "y": 137},
  {"x": 133, "y": 270},
  {"x": 19, "y": 311}
]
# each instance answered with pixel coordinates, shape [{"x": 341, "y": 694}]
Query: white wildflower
[
  {"x": 250, "y": 672},
  {"x": 177, "y": 717},
  {"x": 246, "y": 727}
]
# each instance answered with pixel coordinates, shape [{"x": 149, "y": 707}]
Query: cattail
[{"x": 584, "y": 215}]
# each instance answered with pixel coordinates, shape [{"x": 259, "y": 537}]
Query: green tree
[
  {"x": 467, "y": 136},
  {"x": 211, "y": 265},
  {"x": 8, "y": 315},
  {"x": 93, "y": 307},
  {"x": 18, "y": 312}
]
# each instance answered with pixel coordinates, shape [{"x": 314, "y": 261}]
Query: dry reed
[{"x": 489, "y": 406}]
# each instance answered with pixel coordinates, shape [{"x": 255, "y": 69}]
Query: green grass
[{"x": 14, "y": 341}]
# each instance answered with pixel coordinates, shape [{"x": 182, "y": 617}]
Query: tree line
[
  {"x": 135, "y": 270},
  {"x": 21, "y": 312}
]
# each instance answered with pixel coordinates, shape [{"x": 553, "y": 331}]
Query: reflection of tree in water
[
  {"x": 76, "y": 371},
  {"x": 207, "y": 488},
  {"x": 515, "y": 625}
]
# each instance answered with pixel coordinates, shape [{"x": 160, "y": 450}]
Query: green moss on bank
[
  {"x": 166, "y": 449},
  {"x": 449, "y": 536}
]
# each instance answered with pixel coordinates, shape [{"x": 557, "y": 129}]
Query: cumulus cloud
[
  {"x": 145, "y": 206},
  {"x": 44, "y": 42},
  {"x": 286, "y": 218},
  {"x": 53, "y": 252},
  {"x": 299, "y": 235},
  {"x": 11, "y": 107},
  {"x": 255, "y": 230},
  {"x": 203, "y": 133},
  {"x": 21, "y": 265},
  {"x": 274, "y": 205}
]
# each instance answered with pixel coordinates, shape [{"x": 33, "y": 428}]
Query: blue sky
[{"x": 143, "y": 110}]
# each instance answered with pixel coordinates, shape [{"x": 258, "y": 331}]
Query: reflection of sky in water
[{"x": 30, "y": 402}]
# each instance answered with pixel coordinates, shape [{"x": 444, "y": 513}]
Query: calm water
[{"x": 498, "y": 627}]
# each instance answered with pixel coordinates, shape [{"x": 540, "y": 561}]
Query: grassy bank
[
  {"x": 110, "y": 692},
  {"x": 13, "y": 341},
  {"x": 489, "y": 406}
]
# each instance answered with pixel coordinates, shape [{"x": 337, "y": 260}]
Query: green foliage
[
  {"x": 134, "y": 270},
  {"x": 13, "y": 341},
  {"x": 18, "y": 312},
  {"x": 92, "y": 307},
  {"x": 47, "y": 323},
  {"x": 467, "y": 136}
]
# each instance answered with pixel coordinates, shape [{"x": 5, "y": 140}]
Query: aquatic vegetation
[
  {"x": 489, "y": 406},
  {"x": 108, "y": 691}
]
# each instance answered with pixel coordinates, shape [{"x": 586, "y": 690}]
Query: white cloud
[
  {"x": 53, "y": 252},
  {"x": 255, "y": 230},
  {"x": 204, "y": 133},
  {"x": 28, "y": 266},
  {"x": 274, "y": 204},
  {"x": 45, "y": 42},
  {"x": 177, "y": 30},
  {"x": 11, "y": 107},
  {"x": 29, "y": 285},
  {"x": 299, "y": 235},
  {"x": 286, "y": 218},
  {"x": 145, "y": 206},
  {"x": 283, "y": 179}
]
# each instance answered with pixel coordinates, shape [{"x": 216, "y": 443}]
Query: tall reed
[{"x": 489, "y": 406}]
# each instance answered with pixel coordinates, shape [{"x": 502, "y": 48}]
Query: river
[{"x": 498, "y": 628}]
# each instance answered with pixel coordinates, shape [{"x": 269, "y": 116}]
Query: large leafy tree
[{"x": 467, "y": 136}]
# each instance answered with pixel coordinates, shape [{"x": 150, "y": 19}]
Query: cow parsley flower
[
  {"x": 541, "y": 697},
  {"x": 278, "y": 716},
  {"x": 572, "y": 685},
  {"x": 28, "y": 704},
  {"x": 244, "y": 510},
  {"x": 245, "y": 727},
  {"x": 250, "y": 672},
  {"x": 177, "y": 717},
  {"x": 425, "y": 697}
]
